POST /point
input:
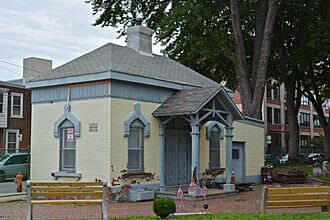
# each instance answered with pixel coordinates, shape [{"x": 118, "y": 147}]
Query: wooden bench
[
  {"x": 295, "y": 197},
  {"x": 66, "y": 193}
]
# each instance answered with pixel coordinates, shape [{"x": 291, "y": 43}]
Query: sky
[{"x": 59, "y": 30}]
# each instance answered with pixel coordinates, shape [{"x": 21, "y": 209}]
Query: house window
[
  {"x": 214, "y": 157},
  {"x": 276, "y": 92},
  {"x": 304, "y": 119},
  {"x": 1, "y": 102},
  {"x": 269, "y": 92},
  {"x": 67, "y": 147},
  {"x": 277, "y": 116},
  {"x": 17, "y": 105},
  {"x": 12, "y": 142},
  {"x": 136, "y": 147},
  {"x": 304, "y": 141},
  {"x": 269, "y": 115},
  {"x": 304, "y": 100},
  {"x": 235, "y": 154},
  {"x": 316, "y": 121}
]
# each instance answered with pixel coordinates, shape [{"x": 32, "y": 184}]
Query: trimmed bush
[{"x": 163, "y": 207}]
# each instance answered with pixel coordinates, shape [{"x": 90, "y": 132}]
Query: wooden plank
[
  {"x": 289, "y": 203},
  {"x": 66, "y": 183},
  {"x": 66, "y": 189},
  {"x": 290, "y": 190},
  {"x": 60, "y": 202},
  {"x": 309, "y": 196},
  {"x": 65, "y": 194},
  {"x": 292, "y": 206}
]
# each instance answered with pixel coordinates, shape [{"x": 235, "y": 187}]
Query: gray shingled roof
[
  {"x": 112, "y": 57},
  {"x": 186, "y": 101}
]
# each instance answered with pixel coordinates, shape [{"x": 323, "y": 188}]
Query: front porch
[{"x": 180, "y": 118}]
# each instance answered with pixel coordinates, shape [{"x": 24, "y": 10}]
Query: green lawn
[
  {"x": 247, "y": 216},
  {"x": 304, "y": 167}
]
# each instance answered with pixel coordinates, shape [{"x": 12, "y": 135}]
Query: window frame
[
  {"x": 277, "y": 120},
  {"x": 215, "y": 129},
  {"x": 12, "y": 115},
  {"x": 304, "y": 119},
  {"x": 67, "y": 124},
  {"x": 269, "y": 116},
  {"x": 137, "y": 125},
  {"x": 12, "y": 131},
  {"x": 2, "y": 102}
]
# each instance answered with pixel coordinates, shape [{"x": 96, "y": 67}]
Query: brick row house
[
  {"x": 276, "y": 121},
  {"x": 15, "y": 107},
  {"x": 15, "y": 118}
]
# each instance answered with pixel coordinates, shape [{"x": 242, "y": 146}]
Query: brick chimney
[
  {"x": 33, "y": 67},
  {"x": 139, "y": 38}
]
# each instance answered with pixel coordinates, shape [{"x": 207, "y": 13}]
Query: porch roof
[{"x": 191, "y": 101}]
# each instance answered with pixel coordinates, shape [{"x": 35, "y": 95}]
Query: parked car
[
  {"x": 284, "y": 159},
  {"x": 11, "y": 164},
  {"x": 315, "y": 157}
]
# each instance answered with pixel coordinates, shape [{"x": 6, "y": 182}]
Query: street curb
[{"x": 12, "y": 197}]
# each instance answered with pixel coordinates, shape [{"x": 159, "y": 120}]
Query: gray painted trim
[
  {"x": 71, "y": 117},
  {"x": 109, "y": 75},
  {"x": 211, "y": 125},
  {"x": 242, "y": 143},
  {"x": 253, "y": 121},
  {"x": 12, "y": 85},
  {"x": 136, "y": 115}
]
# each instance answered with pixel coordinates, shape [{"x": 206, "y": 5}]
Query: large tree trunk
[
  {"x": 318, "y": 105},
  {"x": 252, "y": 82},
  {"x": 327, "y": 142},
  {"x": 293, "y": 105}
]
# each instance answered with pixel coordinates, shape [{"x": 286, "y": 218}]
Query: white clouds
[{"x": 59, "y": 30}]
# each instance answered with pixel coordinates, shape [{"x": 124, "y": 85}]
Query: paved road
[{"x": 9, "y": 187}]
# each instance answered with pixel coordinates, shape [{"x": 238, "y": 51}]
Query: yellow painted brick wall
[
  {"x": 253, "y": 137},
  {"x": 92, "y": 148},
  {"x": 120, "y": 111}
]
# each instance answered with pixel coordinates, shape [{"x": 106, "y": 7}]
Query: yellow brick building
[{"x": 123, "y": 114}]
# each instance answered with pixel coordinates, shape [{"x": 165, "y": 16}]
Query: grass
[
  {"x": 247, "y": 216},
  {"x": 301, "y": 166}
]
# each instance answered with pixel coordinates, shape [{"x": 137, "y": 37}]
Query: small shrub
[{"x": 163, "y": 207}]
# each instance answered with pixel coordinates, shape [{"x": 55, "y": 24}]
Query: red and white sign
[
  {"x": 70, "y": 130},
  {"x": 179, "y": 193},
  {"x": 204, "y": 191},
  {"x": 70, "y": 135},
  {"x": 192, "y": 187}
]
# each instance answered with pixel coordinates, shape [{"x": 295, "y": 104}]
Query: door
[
  {"x": 238, "y": 161},
  {"x": 177, "y": 157}
]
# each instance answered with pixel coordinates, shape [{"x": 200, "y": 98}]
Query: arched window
[
  {"x": 136, "y": 147},
  {"x": 214, "y": 133},
  {"x": 67, "y": 146},
  {"x": 214, "y": 148}
]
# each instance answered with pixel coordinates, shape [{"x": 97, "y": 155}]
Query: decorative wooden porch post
[
  {"x": 229, "y": 150},
  {"x": 195, "y": 148},
  {"x": 162, "y": 157}
]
